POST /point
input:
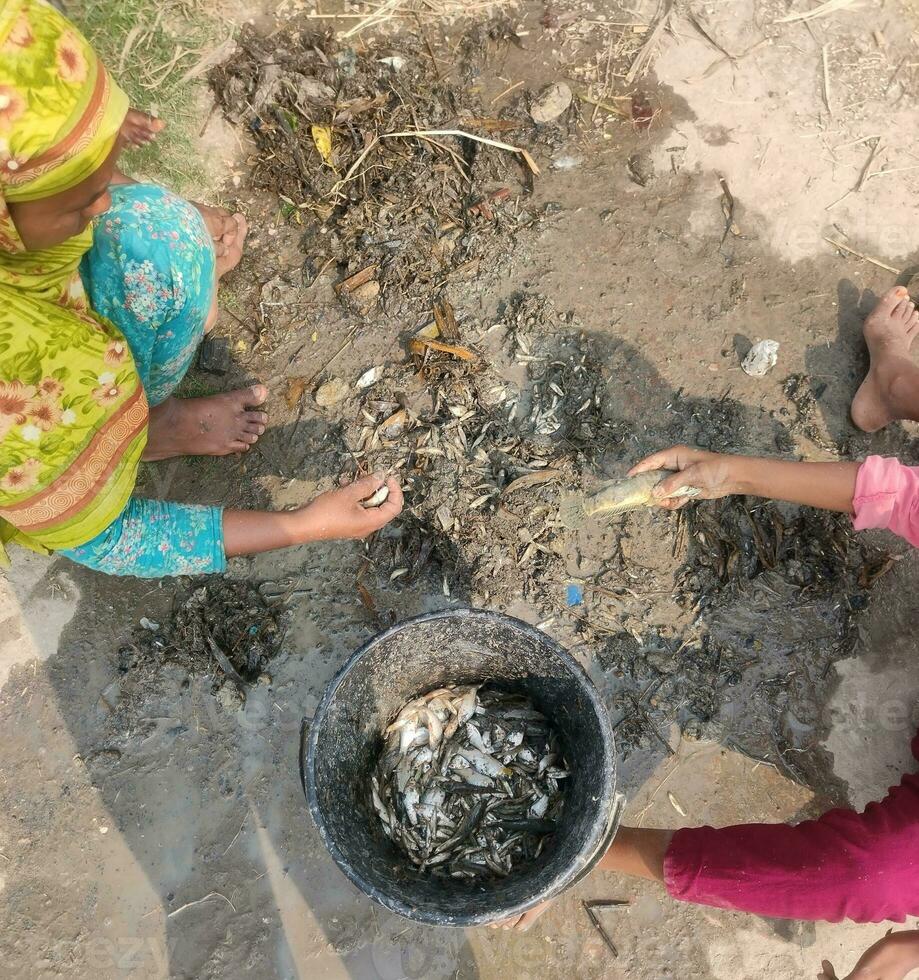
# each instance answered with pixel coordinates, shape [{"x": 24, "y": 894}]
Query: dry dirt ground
[{"x": 152, "y": 825}]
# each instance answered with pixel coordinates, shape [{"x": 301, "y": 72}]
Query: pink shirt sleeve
[{"x": 887, "y": 495}]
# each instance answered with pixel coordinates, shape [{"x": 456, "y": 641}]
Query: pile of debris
[
  {"x": 480, "y": 458},
  {"x": 218, "y": 626},
  {"x": 398, "y": 174}
]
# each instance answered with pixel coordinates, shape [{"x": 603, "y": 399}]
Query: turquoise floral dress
[{"x": 151, "y": 272}]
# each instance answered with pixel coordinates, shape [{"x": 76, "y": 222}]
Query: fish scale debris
[{"x": 470, "y": 783}]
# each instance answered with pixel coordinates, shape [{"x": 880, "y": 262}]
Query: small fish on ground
[{"x": 470, "y": 782}]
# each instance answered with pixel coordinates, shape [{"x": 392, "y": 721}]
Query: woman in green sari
[{"x": 87, "y": 381}]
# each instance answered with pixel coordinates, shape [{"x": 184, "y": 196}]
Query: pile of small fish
[{"x": 469, "y": 783}]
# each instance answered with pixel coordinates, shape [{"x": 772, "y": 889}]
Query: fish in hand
[{"x": 618, "y": 497}]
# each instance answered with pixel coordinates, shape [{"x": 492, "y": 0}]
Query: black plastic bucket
[{"x": 456, "y": 647}]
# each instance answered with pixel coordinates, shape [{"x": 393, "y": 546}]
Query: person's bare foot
[
  {"x": 889, "y": 331},
  {"x": 233, "y": 243},
  {"x": 213, "y": 426},
  {"x": 229, "y": 251},
  {"x": 520, "y": 923},
  {"x": 222, "y": 226}
]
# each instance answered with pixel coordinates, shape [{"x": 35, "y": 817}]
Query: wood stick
[
  {"x": 647, "y": 49},
  {"x": 861, "y": 255},
  {"x": 863, "y": 176},
  {"x": 422, "y": 133}
]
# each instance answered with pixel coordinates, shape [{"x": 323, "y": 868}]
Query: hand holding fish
[
  {"x": 711, "y": 475},
  {"x": 342, "y": 513},
  {"x": 830, "y": 486}
]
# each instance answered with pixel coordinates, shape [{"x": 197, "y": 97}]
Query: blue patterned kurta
[{"x": 151, "y": 272}]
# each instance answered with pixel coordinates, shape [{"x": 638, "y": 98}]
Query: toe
[
  {"x": 257, "y": 394},
  {"x": 255, "y": 427},
  {"x": 256, "y": 418},
  {"x": 902, "y": 310},
  {"x": 249, "y": 438},
  {"x": 889, "y": 300}
]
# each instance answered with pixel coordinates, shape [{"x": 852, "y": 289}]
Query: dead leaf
[
  {"x": 295, "y": 389},
  {"x": 446, "y": 321},
  {"x": 357, "y": 280},
  {"x": 465, "y": 271},
  {"x": 872, "y": 571},
  {"x": 395, "y": 425},
  {"x": 531, "y": 480},
  {"x": 322, "y": 137},
  {"x": 366, "y": 598},
  {"x": 421, "y": 344}
]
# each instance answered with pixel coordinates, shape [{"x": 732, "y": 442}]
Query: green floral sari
[{"x": 73, "y": 415}]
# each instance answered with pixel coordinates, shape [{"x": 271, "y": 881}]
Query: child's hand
[
  {"x": 341, "y": 514},
  {"x": 710, "y": 473}
]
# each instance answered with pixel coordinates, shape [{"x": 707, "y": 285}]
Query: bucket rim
[{"x": 602, "y": 830}]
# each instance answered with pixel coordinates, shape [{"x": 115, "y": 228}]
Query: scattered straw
[
  {"x": 507, "y": 91},
  {"x": 861, "y": 255},
  {"x": 826, "y": 79},
  {"x": 828, "y": 7},
  {"x": 892, "y": 170},
  {"x": 215, "y": 56},
  {"x": 129, "y": 40},
  {"x": 643, "y": 58},
  {"x": 866, "y": 169},
  {"x": 412, "y": 8},
  {"x": 426, "y": 133},
  {"x": 199, "y": 901}
]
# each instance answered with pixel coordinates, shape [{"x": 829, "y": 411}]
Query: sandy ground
[{"x": 149, "y": 829}]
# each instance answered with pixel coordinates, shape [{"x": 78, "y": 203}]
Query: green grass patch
[{"x": 148, "y": 45}]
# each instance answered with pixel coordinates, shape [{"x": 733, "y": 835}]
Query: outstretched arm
[
  {"x": 336, "y": 514},
  {"x": 893, "y": 958},
  {"x": 152, "y": 538},
  {"x": 827, "y": 485}
]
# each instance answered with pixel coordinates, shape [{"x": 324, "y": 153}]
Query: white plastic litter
[{"x": 761, "y": 358}]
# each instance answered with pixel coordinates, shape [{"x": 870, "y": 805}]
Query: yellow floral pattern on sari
[{"x": 73, "y": 413}]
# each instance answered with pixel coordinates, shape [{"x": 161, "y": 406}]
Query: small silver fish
[
  {"x": 512, "y": 741},
  {"x": 411, "y": 736},
  {"x": 467, "y": 783},
  {"x": 472, "y": 776},
  {"x": 539, "y": 807},
  {"x": 482, "y": 762},
  {"x": 410, "y": 800},
  {"x": 475, "y": 737},
  {"x": 433, "y": 797},
  {"x": 377, "y": 498}
]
